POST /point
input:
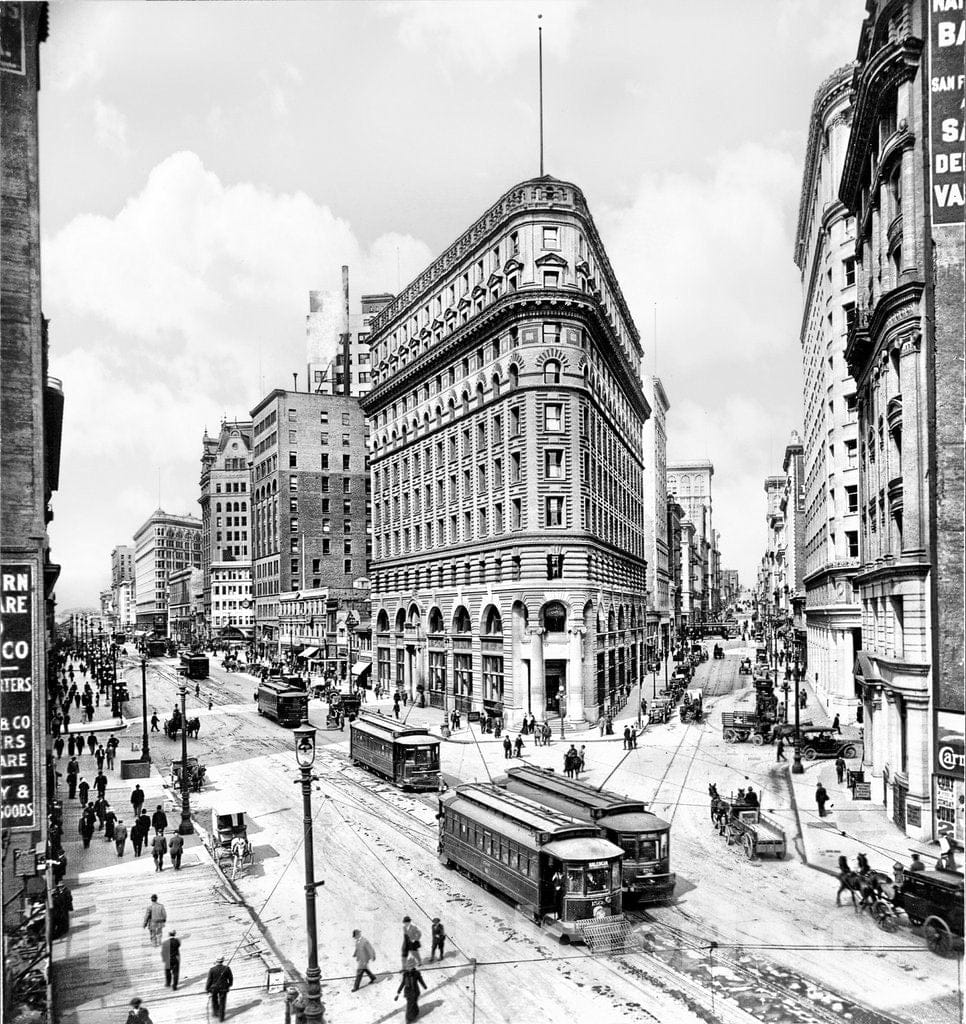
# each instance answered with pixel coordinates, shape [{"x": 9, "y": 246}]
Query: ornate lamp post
[
  {"x": 351, "y": 621},
  {"x": 797, "y": 767},
  {"x": 145, "y": 752},
  {"x": 185, "y": 828},
  {"x": 305, "y": 758}
]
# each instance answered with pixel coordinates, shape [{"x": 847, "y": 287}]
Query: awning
[
  {"x": 866, "y": 669},
  {"x": 361, "y": 668},
  {"x": 309, "y": 652}
]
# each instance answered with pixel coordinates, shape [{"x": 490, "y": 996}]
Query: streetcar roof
[
  {"x": 584, "y": 848},
  {"x": 528, "y": 814},
  {"x": 634, "y": 822},
  {"x": 387, "y": 728},
  {"x": 580, "y": 794},
  {"x": 425, "y": 740},
  {"x": 280, "y": 689}
]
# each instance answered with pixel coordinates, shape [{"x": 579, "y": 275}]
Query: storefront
[{"x": 949, "y": 794}]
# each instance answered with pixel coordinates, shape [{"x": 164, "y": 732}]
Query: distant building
[
  {"x": 186, "y": 590},
  {"x": 122, "y": 586},
  {"x": 730, "y": 589},
  {"x": 675, "y": 518},
  {"x": 325, "y": 335},
  {"x": 773, "y": 601},
  {"x": 226, "y": 525},
  {"x": 825, "y": 256},
  {"x": 904, "y": 181},
  {"x": 690, "y": 483},
  {"x": 311, "y": 506},
  {"x": 659, "y": 608},
  {"x": 164, "y": 544},
  {"x": 507, "y": 417},
  {"x": 793, "y": 510}
]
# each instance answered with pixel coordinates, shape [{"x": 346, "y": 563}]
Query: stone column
[
  {"x": 575, "y": 675},
  {"x": 913, "y": 448},
  {"x": 537, "y": 680}
]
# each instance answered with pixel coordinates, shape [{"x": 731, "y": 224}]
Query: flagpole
[{"x": 540, "y": 51}]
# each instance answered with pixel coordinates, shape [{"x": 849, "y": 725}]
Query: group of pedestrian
[
  {"x": 514, "y": 748},
  {"x": 541, "y": 734},
  {"x": 574, "y": 761},
  {"x": 529, "y": 725},
  {"x": 630, "y": 738}
]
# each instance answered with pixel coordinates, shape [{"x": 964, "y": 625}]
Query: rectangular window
[
  {"x": 492, "y": 677},
  {"x": 851, "y": 452},
  {"x": 551, "y": 279},
  {"x": 516, "y": 514},
  {"x": 852, "y": 543},
  {"x": 345, "y": 463},
  {"x": 848, "y": 267},
  {"x": 515, "y": 421},
  {"x": 852, "y": 499},
  {"x": 551, "y": 238},
  {"x": 553, "y": 417},
  {"x": 554, "y": 464},
  {"x": 324, "y": 438},
  {"x": 345, "y": 440},
  {"x": 554, "y": 567},
  {"x": 515, "y": 464},
  {"x": 554, "y": 509}
]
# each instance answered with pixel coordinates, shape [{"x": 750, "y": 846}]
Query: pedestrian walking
[
  {"x": 109, "y": 753},
  {"x": 171, "y": 958},
  {"x": 220, "y": 981},
  {"x": 175, "y": 849},
  {"x": 780, "y": 749},
  {"x": 581, "y": 759},
  {"x": 412, "y": 939},
  {"x": 634, "y": 737},
  {"x": 154, "y": 920},
  {"x": 395, "y": 706},
  {"x": 92, "y": 742},
  {"x": 546, "y": 734},
  {"x": 137, "y": 837},
  {"x": 154, "y": 722},
  {"x": 600, "y": 724},
  {"x": 627, "y": 737},
  {"x": 518, "y": 745},
  {"x": 71, "y": 745},
  {"x": 198, "y": 690},
  {"x": 821, "y": 798},
  {"x": 100, "y": 784},
  {"x": 138, "y": 1013},
  {"x": 159, "y": 847},
  {"x": 439, "y": 939},
  {"x": 59, "y": 747},
  {"x": 144, "y": 823},
  {"x": 840, "y": 769},
  {"x": 110, "y": 823},
  {"x": 73, "y": 770},
  {"x": 120, "y": 837},
  {"x": 410, "y": 984},
  {"x": 99, "y": 756},
  {"x": 86, "y": 829},
  {"x": 159, "y": 819},
  {"x": 835, "y": 725},
  {"x": 507, "y": 747},
  {"x": 83, "y": 788},
  {"x": 137, "y": 798},
  {"x": 364, "y": 954}
]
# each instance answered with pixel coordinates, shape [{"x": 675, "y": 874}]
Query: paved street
[{"x": 784, "y": 951}]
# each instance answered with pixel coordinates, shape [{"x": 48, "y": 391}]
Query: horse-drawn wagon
[
  {"x": 196, "y": 775},
  {"x": 744, "y": 668},
  {"x": 744, "y": 822},
  {"x": 692, "y": 706},
  {"x": 230, "y": 843},
  {"x": 739, "y": 726}
]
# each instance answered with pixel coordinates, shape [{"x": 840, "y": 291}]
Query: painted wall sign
[
  {"x": 947, "y": 116},
  {"x": 12, "y": 46},
  {"x": 950, "y": 755},
  {"x": 16, "y": 697}
]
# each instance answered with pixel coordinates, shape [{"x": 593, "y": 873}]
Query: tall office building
[
  {"x": 226, "y": 546},
  {"x": 122, "y": 586},
  {"x": 162, "y": 545},
  {"x": 506, "y": 418},
  {"x": 310, "y": 502},
  {"x": 904, "y": 181},
  {"x": 690, "y": 483},
  {"x": 659, "y": 609},
  {"x": 825, "y": 257}
]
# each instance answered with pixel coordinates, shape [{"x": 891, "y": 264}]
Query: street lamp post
[
  {"x": 185, "y": 828},
  {"x": 145, "y": 752},
  {"x": 305, "y": 757},
  {"x": 351, "y": 621},
  {"x": 797, "y": 767}
]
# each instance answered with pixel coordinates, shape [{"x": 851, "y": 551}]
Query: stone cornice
[
  {"x": 517, "y": 305},
  {"x": 833, "y": 90},
  {"x": 895, "y": 309},
  {"x": 526, "y": 197},
  {"x": 893, "y": 63},
  {"x": 891, "y": 571},
  {"x": 833, "y": 571}
]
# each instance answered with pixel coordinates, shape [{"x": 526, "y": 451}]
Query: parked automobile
[{"x": 822, "y": 742}]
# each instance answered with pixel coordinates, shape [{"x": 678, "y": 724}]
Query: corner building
[{"x": 507, "y": 469}]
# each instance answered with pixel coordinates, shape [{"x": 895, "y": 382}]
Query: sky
[{"x": 203, "y": 166}]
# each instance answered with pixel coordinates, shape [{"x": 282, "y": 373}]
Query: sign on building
[
  {"x": 947, "y": 118},
  {"x": 16, "y": 697}
]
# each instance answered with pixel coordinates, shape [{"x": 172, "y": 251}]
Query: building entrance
[{"x": 555, "y": 685}]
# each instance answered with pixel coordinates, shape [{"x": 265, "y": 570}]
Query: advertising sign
[
  {"x": 950, "y": 756},
  {"x": 12, "y": 50},
  {"x": 947, "y": 118},
  {"x": 16, "y": 697}
]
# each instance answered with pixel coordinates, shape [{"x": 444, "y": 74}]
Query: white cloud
[
  {"x": 82, "y": 37},
  {"x": 110, "y": 129},
  {"x": 484, "y": 36}
]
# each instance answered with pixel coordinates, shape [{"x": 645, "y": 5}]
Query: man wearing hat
[
  {"x": 171, "y": 958},
  {"x": 220, "y": 980},
  {"x": 138, "y": 1014},
  {"x": 439, "y": 939},
  {"x": 411, "y": 937}
]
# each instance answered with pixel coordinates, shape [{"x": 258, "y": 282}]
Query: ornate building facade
[
  {"x": 659, "y": 608},
  {"x": 690, "y": 483},
  {"x": 507, "y": 467},
  {"x": 903, "y": 181},
  {"x": 163, "y": 544},
  {"x": 825, "y": 257}
]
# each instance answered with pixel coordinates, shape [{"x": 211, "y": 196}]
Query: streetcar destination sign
[{"x": 16, "y": 696}]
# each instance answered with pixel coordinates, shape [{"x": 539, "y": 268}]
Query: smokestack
[
  {"x": 346, "y": 369},
  {"x": 295, "y": 381}
]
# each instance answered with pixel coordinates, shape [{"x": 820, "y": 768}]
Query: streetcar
[
  {"x": 156, "y": 648},
  {"x": 644, "y": 837},
  {"x": 407, "y": 755},
  {"x": 194, "y": 666},
  {"x": 556, "y": 868},
  {"x": 285, "y": 704}
]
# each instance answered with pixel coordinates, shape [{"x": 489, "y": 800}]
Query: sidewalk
[
  {"x": 106, "y": 958},
  {"x": 850, "y": 826}
]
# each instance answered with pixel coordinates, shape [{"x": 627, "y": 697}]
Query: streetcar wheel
[
  {"x": 809, "y": 753},
  {"x": 849, "y": 751},
  {"x": 730, "y": 736},
  {"x": 938, "y": 938},
  {"x": 749, "y": 845},
  {"x": 758, "y": 739}
]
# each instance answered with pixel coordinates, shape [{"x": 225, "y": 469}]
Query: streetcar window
[
  {"x": 575, "y": 881},
  {"x": 478, "y": 839},
  {"x": 487, "y": 844},
  {"x": 514, "y": 860},
  {"x": 616, "y": 875},
  {"x": 629, "y": 845},
  {"x": 598, "y": 879}
]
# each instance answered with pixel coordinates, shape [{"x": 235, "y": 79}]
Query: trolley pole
[{"x": 145, "y": 751}]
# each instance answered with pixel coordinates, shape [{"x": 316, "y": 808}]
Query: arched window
[
  {"x": 492, "y": 623},
  {"x": 513, "y": 377},
  {"x": 479, "y": 396},
  {"x": 382, "y": 621},
  {"x": 461, "y": 621},
  {"x": 400, "y": 620},
  {"x": 551, "y": 372},
  {"x": 414, "y": 616},
  {"x": 436, "y": 621},
  {"x": 555, "y": 617},
  {"x": 495, "y": 383}
]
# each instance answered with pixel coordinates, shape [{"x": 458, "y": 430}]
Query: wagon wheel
[
  {"x": 757, "y": 739},
  {"x": 884, "y": 916},
  {"x": 730, "y": 736},
  {"x": 743, "y": 735},
  {"x": 939, "y": 939},
  {"x": 809, "y": 753},
  {"x": 749, "y": 844},
  {"x": 848, "y": 751}
]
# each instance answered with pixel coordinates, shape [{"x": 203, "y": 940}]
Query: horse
[
  {"x": 868, "y": 884},
  {"x": 171, "y": 728},
  {"x": 193, "y": 727},
  {"x": 719, "y": 808},
  {"x": 241, "y": 850}
]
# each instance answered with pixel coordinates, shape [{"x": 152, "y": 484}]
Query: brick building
[
  {"x": 506, "y": 418},
  {"x": 903, "y": 181},
  {"x": 164, "y": 544}
]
